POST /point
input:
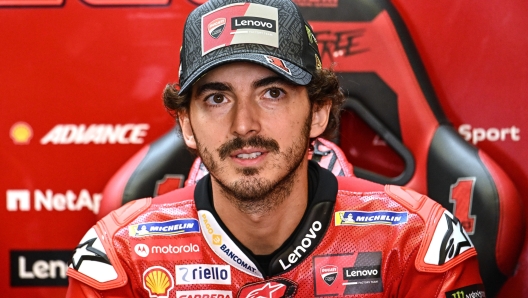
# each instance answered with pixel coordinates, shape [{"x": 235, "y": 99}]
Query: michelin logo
[
  {"x": 171, "y": 227},
  {"x": 363, "y": 218}
]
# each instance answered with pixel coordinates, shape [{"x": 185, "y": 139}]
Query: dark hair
[{"x": 322, "y": 89}]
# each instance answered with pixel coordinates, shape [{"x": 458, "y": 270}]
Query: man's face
[{"x": 251, "y": 128}]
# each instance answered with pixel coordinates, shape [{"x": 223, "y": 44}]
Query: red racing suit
[{"x": 356, "y": 239}]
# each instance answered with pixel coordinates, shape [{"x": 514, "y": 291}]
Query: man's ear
[
  {"x": 186, "y": 129},
  {"x": 320, "y": 116}
]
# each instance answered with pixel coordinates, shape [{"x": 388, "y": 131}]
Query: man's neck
[{"x": 264, "y": 232}]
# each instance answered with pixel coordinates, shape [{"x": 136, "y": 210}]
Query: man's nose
[{"x": 246, "y": 121}]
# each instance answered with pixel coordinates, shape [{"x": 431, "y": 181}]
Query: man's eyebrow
[
  {"x": 212, "y": 86},
  {"x": 269, "y": 80},
  {"x": 218, "y": 86}
]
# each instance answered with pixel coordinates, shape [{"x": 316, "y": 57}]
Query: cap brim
[{"x": 291, "y": 72}]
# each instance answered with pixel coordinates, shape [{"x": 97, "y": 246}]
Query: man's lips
[
  {"x": 248, "y": 153},
  {"x": 239, "y": 148}
]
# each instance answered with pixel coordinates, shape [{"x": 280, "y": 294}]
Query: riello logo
[{"x": 64, "y": 134}]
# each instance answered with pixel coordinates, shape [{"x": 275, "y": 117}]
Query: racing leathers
[{"x": 356, "y": 238}]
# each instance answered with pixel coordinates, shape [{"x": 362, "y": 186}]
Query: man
[{"x": 266, "y": 221}]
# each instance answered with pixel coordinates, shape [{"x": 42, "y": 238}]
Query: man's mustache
[{"x": 238, "y": 143}]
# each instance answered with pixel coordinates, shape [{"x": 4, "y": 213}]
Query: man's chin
[
  {"x": 249, "y": 188},
  {"x": 249, "y": 171}
]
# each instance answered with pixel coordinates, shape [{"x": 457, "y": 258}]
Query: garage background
[{"x": 80, "y": 93}]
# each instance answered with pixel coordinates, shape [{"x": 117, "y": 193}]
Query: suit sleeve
[
  {"x": 462, "y": 280},
  {"x": 77, "y": 289},
  {"x": 96, "y": 269},
  {"x": 445, "y": 262}
]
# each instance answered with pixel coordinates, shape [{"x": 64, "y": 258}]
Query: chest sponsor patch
[
  {"x": 329, "y": 274},
  {"x": 203, "y": 274},
  {"x": 348, "y": 274},
  {"x": 302, "y": 246},
  {"x": 158, "y": 282},
  {"x": 223, "y": 246},
  {"x": 472, "y": 291},
  {"x": 171, "y": 227},
  {"x": 166, "y": 249},
  {"x": 366, "y": 218}
]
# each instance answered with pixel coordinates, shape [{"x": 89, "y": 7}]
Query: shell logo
[
  {"x": 158, "y": 282},
  {"x": 21, "y": 133}
]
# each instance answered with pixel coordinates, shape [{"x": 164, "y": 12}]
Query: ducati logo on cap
[
  {"x": 216, "y": 27},
  {"x": 278, "y": 63}
]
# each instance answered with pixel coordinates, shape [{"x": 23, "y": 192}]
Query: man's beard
[{"x": 252, "y": 194}]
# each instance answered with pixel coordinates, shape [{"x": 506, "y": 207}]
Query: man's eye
[
  {"x": 274, "y": 93},
  {"x": 215, "y": 99}
]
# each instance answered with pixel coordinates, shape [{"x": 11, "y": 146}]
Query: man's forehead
[
  {"x": 237, "y": 65},
  {"x": 230, "y": 72}
]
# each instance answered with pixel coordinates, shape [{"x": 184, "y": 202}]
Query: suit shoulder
[
  {"x": 355, "y": 184},
  {"x": 177, "y": 195},
  {"x": 445, "y": 243},
  {"x": 95, "y": 261},
  {"x": 412, "y": 200}
]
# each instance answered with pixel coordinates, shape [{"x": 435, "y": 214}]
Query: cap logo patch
[
  {"x": 253, "y": 23},
  {"x": 279, "y": 63},
  {"x": 249, "y": 23},
  {"x": 216, "y": 27}
]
